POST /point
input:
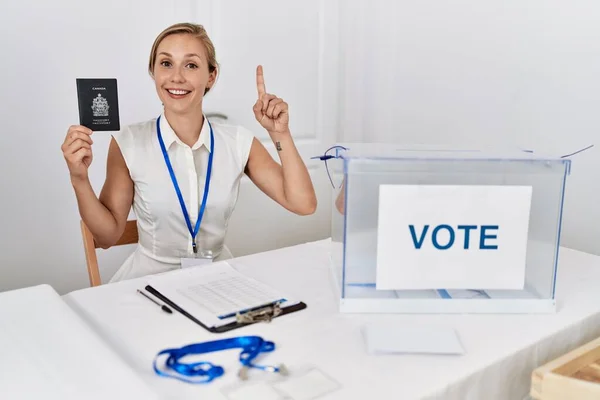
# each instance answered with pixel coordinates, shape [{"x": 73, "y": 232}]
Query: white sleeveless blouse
[{"x": 163, "y": 234}]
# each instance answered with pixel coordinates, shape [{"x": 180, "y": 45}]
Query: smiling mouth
[{"x": 178, "y": 92}]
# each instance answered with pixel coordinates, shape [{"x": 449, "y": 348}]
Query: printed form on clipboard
[{"x": 216, "y": 295}]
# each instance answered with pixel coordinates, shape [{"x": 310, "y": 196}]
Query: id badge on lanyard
[{"x": 198, "y": 257}]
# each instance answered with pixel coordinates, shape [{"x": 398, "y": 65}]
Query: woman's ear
[{"x": 211, "y": 79}]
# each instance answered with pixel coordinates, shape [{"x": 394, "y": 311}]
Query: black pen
[{"x": 162, "y": 306}]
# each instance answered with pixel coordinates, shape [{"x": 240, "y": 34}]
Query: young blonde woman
[{"x": 180, "y": 171}]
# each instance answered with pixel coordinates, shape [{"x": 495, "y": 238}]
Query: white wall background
[
  {"x": 429, "y": 72},
  {"x": 480, "y": 73}
]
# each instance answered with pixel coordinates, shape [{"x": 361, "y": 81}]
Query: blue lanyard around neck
[{"x": 194, "y": 231}]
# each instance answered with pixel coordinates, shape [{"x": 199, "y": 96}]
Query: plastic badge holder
[{"x": 306, "y": 382}]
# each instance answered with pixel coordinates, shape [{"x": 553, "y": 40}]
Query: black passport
[{"x": 98, "y": 104}]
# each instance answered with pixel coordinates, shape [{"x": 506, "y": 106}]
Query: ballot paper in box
[{"x": 417, "y": 230}]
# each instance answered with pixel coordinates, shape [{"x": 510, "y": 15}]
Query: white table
[
  {"x": 48, "y": 352},
  {"x": 502, "y": 350}
]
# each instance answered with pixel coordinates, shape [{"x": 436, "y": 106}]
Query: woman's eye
[
  {"x": 192, "y": 66},
  {"x": 165, "y": 63}
]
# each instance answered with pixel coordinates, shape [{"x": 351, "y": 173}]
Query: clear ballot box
[{"x": 417, "y": 230}]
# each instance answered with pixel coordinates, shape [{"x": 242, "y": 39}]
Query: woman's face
[{"x": 181, "y": 73}]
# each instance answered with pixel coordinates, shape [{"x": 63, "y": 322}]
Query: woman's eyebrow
[{"x": 187, "y": 55}]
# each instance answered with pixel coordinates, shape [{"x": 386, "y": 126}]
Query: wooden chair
[{"x": 130, "y": 236}]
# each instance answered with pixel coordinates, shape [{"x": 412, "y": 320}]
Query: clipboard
[
  {"x": 260, "y": 314},
  {"x": 219, "y": 298}
]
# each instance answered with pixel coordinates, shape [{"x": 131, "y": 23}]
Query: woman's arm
[
  {"x": 340, "y": 200},
  {"x": 288, "y": 183},
  {"x": 105, "y": 216}
]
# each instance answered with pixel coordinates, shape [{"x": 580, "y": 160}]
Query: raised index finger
[{"x": 260, "y": 81}]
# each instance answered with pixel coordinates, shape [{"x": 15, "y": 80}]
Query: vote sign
[{"x": 452, "y": 237}]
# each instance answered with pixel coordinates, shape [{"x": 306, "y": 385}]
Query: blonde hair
[{"x": 196, "y": 31}]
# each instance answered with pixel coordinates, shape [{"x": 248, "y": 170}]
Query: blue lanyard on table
[
  {"x": 194, "y": 231},
  {"x": 203, "y": 371}
]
